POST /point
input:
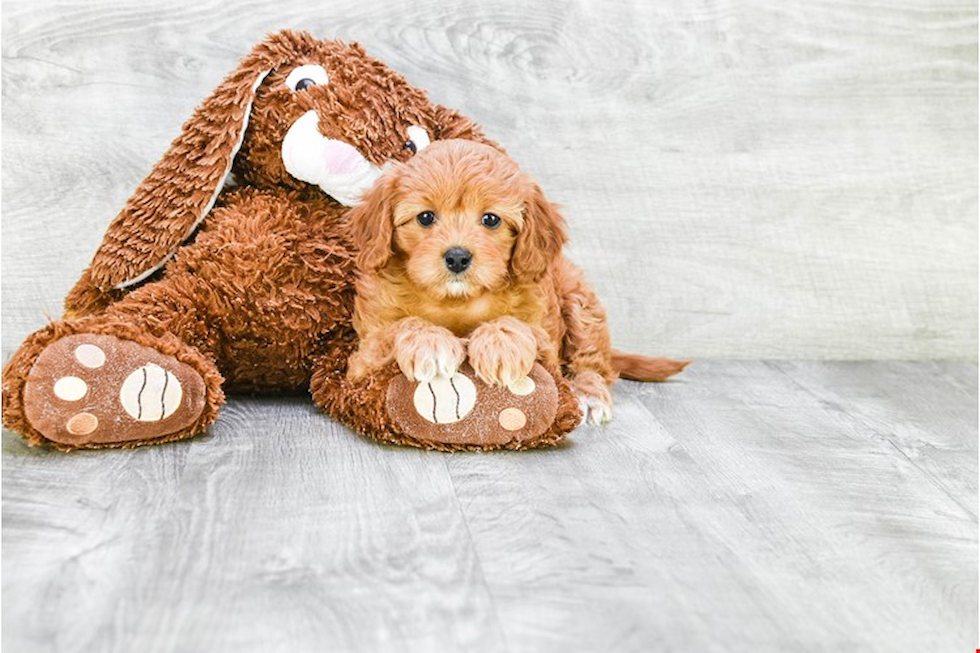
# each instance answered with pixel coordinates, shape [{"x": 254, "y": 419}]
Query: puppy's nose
[{"x": 457, "y": 259}]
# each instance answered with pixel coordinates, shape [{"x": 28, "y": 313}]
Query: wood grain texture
[
  {"x": 747, "y": 507},
  {"x": 280, "y": 531},
  {"x": 758, "y": 179}
]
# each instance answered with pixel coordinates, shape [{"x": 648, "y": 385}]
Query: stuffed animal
[{"x": 209, "y": 281}]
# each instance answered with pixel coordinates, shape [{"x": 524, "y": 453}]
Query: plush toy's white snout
[{"x": 335, "y": 166}]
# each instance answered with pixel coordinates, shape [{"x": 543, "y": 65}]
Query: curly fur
[{"x": 519, "y": 300}]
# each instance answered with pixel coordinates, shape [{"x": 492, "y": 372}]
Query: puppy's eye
[
  {"x": 490, "y": 220},
  {"x": 426, "y": 218},
  {"x": 303, "y": 77},
  {"x": 418, "y": 139}
]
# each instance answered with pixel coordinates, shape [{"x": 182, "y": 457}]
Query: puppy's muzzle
[{"x": 457, "y": 259}]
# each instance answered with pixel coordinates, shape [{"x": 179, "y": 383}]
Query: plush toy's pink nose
[{"x": 340, "y": 158}]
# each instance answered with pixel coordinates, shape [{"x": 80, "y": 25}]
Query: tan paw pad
[
  {"x": 512, "y": 419},
  {"x": 82, "y": 424}
]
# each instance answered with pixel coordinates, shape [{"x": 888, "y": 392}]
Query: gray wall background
[{"x": 742, "y": 179}]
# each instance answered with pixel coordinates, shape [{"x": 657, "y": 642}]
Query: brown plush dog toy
[{"x": 199, "y": 285}]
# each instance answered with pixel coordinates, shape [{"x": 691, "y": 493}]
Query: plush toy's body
[{"x": 261, "y": 298}]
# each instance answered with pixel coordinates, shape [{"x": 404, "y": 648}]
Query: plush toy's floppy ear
[
  {"x": 183, "y": 186},
  {"x": 540, "y": 240},
  {"x": 372, "y": 223}
]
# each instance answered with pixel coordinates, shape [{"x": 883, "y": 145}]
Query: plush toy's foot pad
[
  {"x": 89, "y": 388},
  {"x": 463, "y": 410}
]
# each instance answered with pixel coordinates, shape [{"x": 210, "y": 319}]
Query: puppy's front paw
[
  {"x": 427, "y": 352},
  {"x": 594, "y": 398},
  {"x": 503, "y": 351}
]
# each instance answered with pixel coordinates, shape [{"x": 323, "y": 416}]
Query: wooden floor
[
  {"x": 769, "y": 179},
  {"x": 781, "y": 506}
]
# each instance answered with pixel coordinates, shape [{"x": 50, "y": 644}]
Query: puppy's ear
[
  {"x": 183, "y": 186},
  {"x": 540, "y": 239},
  {"x": 372, "y": 223}
]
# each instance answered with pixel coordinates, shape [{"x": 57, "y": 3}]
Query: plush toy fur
[{"x": 197, "y": 288}]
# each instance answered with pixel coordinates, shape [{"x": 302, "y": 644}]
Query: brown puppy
[{"x": 461, "y": 258}]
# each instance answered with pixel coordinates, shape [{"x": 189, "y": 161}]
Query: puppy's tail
[{"x": 645, "y": 368}]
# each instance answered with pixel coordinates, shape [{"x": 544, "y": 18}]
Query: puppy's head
[{"x": 461, "y": 219}]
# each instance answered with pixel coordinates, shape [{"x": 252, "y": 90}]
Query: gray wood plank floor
[{"x": 747, "y": 506}]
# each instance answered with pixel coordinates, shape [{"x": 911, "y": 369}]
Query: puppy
[{"x": 460, "y": 257}]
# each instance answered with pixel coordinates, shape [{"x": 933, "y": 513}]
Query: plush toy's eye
[
  {"x": 418, "y": 139},
  {"x": 490, "y": 220},
  {"x": 306, "y": 76},
  {"x": 426, "y": 218}
]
